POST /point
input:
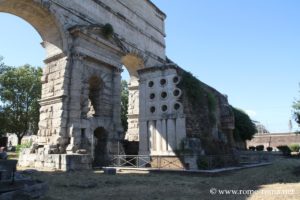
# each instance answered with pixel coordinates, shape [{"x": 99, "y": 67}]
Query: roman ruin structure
[{"x": 87, "y": 45}]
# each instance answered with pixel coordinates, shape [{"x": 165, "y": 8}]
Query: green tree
[
  {"x": 124, "y": 104},
  {"x": 20, "y": 90},
  {"x": 2, "y": 116},
  {"x": 1, "y": 62},
  {"x": 244, "y": 127},
  {"x": 296, "y": 108},
  {"x": 2, "y": 121}
]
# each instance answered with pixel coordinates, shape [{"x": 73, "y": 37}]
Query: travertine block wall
[
  {"x": 53, "y": 117},
  {"x": 138, "y": 23}
]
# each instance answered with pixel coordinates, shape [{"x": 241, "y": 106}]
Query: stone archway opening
[
  {"x": 13, "y": 45},
  {"x": 41, "y": 19},
  {"x": 95, "y": 85},
  {"x": 21, "y": 54},
  {"x": 48, "y": 26},
  {"x": 100, "y": 147},
  {"x": 132, "y": 62}
]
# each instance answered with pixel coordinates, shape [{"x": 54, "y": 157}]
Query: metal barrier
[
  {"x": 140, "y": 161},
  {"x": 135, "y": 161},
  {"x": 182, "y": 162},
  {"x": 167, "y": 162}
]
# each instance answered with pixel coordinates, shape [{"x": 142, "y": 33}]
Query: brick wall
[{"x": 274, "y": 140}]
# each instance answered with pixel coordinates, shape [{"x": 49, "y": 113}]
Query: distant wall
[
  {"x": 12, "y": 139},
  {"x": 274, "y": 140}
]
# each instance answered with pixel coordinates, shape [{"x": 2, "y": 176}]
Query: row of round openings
[
  {"x": 164, "y": 108},
  {"x": 164, "y": 82},
  {"x": 164, "y": 94},
  {"x": 176, "y": 92},
  {"x": 176, "y": 79}
]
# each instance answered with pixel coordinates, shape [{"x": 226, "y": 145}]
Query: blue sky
[{"x": 247, "y": 49}]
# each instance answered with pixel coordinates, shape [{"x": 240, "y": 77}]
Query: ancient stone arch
[
  {"x": 87, "y": 43},
  {"x": 46, "y": 24},
  {"x": 79, "y": 51}
]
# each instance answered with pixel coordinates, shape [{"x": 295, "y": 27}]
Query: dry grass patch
[{"x": 94, "y": 185}]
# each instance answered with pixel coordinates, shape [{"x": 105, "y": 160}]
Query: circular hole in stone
[
  {"x": 175, "y": 79},
  {"x": 164, "y": 108},
  {"x": 151, "y": 84},
  {"x": 164, "y": 95},
  {"x": 152, "y": 109},
  {"x": 163, "y": 81},
  {"x": 152, "y": 96},
  {"x": 176, "y": 93},
  {"x": 176, "y": 106}
]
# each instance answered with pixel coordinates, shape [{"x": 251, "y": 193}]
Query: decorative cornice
[
  {"x": 159, "y": 68},
  {"x": 51, "y": 100},
  {"x": 54, "y": 58}
]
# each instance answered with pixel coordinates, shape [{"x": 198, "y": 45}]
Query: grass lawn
[
  {"x": 12, "y": 155},
  {"x": 282, "y": 176}
]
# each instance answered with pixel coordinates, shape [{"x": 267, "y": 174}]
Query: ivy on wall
[
  {"x": 197, "y": 95},
  {"x": 107, "y": 31},
  {"x": 244, "y": 127}
]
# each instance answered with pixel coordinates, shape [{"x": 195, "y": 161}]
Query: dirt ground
[{"x": 281, "y": 180}]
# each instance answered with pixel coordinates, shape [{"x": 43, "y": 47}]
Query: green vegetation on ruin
[
  {"x": 198, "y": 95},
  {"x": 244, "y": 127},
  {"x": 107, "y": 31}
]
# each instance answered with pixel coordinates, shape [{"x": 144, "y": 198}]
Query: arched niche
[{"x": 95, "y": 86}]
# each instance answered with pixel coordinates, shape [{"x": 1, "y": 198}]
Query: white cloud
[{"x": 251, "y": 113}]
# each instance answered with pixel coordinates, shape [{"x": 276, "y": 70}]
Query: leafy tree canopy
[
  {"x": 296, "y": 108},
  {"x": 20, "y": 90},
  {"x": 2, "y": 118},
  {"x": 124, "y": 104},
  {"x": 244, "y": 127}
]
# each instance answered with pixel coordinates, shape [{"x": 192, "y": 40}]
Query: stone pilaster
[{"x": 133, "y": 110}]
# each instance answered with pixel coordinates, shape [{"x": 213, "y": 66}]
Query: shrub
[
  {"x": 294, "y": 147},
  {"x": 215, "y": 162},
  {"x": 107, "y": 30},
  {"x": 218, "y": 161},
  {"x": 269, "y": 149},
  {"x": 252, "y": 148},
  {"x": 244, "y": 127},
  {"x": 20, "y": 147},
  {"x": 202, "y": 163},
  {"x": 259, "y": 147},
  {"x": 286, "y": 151}
]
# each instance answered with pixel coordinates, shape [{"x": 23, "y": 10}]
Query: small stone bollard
[
  {"x": 81, "y": 151},
  {"x": 110, "y": 171}
]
